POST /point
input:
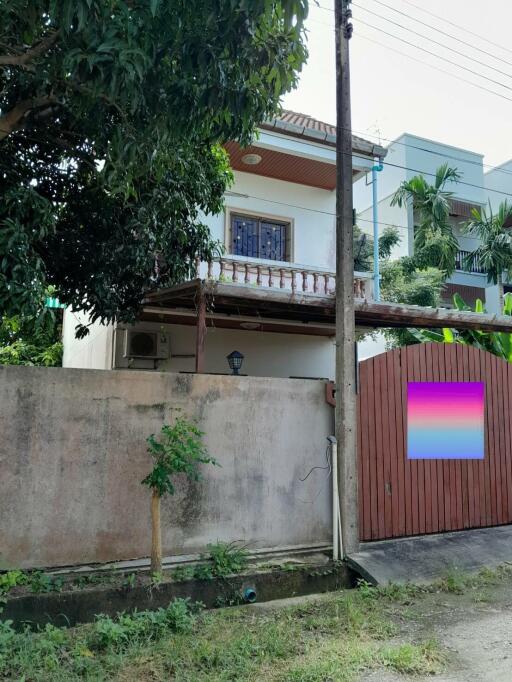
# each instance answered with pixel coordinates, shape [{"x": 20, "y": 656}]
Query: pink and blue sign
[{"x": 445, "y": 420}]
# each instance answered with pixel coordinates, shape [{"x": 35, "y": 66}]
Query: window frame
[{"x": 232, "y": 212}]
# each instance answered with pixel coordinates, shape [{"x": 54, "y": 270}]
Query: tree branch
[
  {"x": 25, "y": 58},
  {"x": 13, "y": 119}
]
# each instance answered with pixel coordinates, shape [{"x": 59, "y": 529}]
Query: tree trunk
[
  {"x": 156, "y": 534},
  {"x": 501, "y": 301}
]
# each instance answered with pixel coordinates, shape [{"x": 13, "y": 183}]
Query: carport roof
[{"x": 263, "y": 303}]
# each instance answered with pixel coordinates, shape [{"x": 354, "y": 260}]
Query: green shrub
[
  {"x": 109, "y": 633},
  {"x": 42, "y": 582},
  {"x": 12, "y": 579},
  {"x": 227, "y": 558}
]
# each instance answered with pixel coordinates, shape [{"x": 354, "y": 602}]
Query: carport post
[{"x": 200, "y": 333}]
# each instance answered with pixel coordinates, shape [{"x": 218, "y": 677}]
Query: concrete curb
[{"x": 81, "y": 606}]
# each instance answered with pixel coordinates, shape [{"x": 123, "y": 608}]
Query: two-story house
[
  {"x": 410, "y": 155},
  {"x": 270, "y": 297}
]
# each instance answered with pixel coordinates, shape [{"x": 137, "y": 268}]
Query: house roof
[{"x": 307, "y": 127}]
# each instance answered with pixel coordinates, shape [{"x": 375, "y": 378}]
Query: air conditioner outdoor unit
[{"x": 145, "y": 343}]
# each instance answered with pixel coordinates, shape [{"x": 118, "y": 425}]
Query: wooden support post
[
  {"x": 200, "y": 334},
  {"x": 345, "y": 412}
]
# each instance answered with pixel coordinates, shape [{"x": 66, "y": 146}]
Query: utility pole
[{"x": 345, "y": 411}]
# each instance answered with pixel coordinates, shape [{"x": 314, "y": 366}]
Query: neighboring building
[
  {"x": 410, "y": 155},
  {"x": 271, "y": 296}
]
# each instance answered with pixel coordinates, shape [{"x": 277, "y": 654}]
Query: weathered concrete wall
[{"x": 73, "y": 453}]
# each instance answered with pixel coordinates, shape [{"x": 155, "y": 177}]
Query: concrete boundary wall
[{"x": 73, "y": 453}]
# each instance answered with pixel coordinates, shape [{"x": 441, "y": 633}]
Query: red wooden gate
[{"x": 400, "y": 497}]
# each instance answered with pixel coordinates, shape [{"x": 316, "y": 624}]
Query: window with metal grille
[{"x": 259, "y": 237}]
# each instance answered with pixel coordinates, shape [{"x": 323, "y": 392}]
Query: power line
[
  {"x": 437, "y": 68},
  {"x": 244, "y": 195},
  {"x": 497, "y": 169},
  {"x": 419, "y": 61},
  {"x": 424, "y": 172},
  {"x": 458, "y": 26},
  {"x": 415, "y": 170},
  {"x": 439, "y": 30},
  {"x": 435, "y": 42},
  {"x": 433, "y": 54}
]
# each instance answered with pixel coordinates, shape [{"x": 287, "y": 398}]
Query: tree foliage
[
  {"x": 178, "y": 450},
  {"x": 111, "y": 115},
  {"x": 31, "y": 341},
  {"x": 497, "y": 343},
  {"x": 363, "y": 247},
  {"x": 434, "y": 242},
  {"x": 404, "y": 282},
  {"x": 494, "y": 253}
]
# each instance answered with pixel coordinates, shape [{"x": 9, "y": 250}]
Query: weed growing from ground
[
  {"x": 62, "y": 654},
  {"x": 11, "y": 579},
  {"x": 129, "y": 581},
  {"x": 42, "y": 582},
  {"x": 227, "y": 558},
  {"x": 181, "y": 573}
]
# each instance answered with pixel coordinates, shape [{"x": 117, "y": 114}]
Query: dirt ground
[{"x": 474, "y": 629}]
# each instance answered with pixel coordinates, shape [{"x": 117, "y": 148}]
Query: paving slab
[{"x": 423, "y": 559}]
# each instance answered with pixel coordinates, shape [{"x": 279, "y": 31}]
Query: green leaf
[{"x": 448, "y": 336}]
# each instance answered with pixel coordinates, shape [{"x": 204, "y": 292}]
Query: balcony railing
[
  {"x": 290, "y": 277},
  {"x": 461, "y": 263}
]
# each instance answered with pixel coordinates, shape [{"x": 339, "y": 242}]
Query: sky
[{"x": 395, "y": 93}]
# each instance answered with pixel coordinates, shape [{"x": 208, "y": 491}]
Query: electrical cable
[
  {"x": 244, "y": 195},
  {"x": 329, "y": 466},
  {"x": 439, "y": 30},
  {"x": 419, "y": 61},
  {"x": 497, "y": 169},
  {"x": 459, "y": 27},
  {"x": 420, "y": 172},
  {"x": 434, "y": 28},
  {"x": 434, "y": 42},
  {"x": 433, "y": 54}
]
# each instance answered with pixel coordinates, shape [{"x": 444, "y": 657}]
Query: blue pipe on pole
[{"x": 376, "y": 274}]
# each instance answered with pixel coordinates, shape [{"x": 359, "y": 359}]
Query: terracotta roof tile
[{"x": 302, "y": 125}]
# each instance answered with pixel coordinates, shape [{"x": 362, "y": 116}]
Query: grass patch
[{"x": 333, "y": 638}]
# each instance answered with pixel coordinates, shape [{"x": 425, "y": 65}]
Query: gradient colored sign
[{"x": 445, "y": 420}]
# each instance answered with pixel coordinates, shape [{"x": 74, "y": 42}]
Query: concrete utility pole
[{"x": 345, "y": 411}]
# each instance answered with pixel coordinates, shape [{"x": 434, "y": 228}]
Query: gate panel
[{"x": 400, "y": 497}]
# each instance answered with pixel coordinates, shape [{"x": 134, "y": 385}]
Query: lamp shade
[{"x": 235, "y": 360}]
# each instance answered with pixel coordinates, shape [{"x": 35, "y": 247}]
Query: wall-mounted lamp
[{"x": 235, "y": 360}]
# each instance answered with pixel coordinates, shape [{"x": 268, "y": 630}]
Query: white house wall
[
  {"x": 388, "y": 181},
  {"x": 408, "y": 156},
  {"x": 425, "y": 156},
  {"x": 498, "y": 183},
  {"x": 92, "y": 352},
  {"x": 311, "y": 210},
  {"x": 267, "y": 354}
]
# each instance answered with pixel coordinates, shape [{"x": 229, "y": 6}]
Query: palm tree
[
  {"x": 494, "y": 255},
  {"x": 434, "y": 242}
]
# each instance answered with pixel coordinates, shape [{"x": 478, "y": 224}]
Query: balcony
[
  {"x": 281, "y": 276},
  {"x": 462, "y": 266}
]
